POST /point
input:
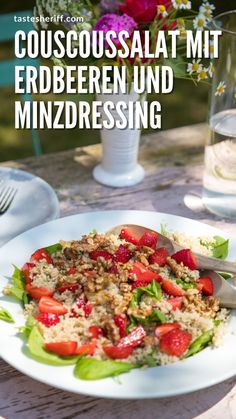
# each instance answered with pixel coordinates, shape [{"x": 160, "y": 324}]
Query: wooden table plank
[{"x": 173, "y": 163}]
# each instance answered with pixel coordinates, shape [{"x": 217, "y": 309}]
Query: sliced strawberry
[
  {"x": 87, "y": 349},
  {"x": 133, "y": 339},
  {"x": 187, "y": 257},
  {"x": 149, "y": 239},
  {"x": 175, "y": 342},
  {"x": 61, "y": 348},
  {"x": 100, "y": 254},
  {"x": 115, "y": 352},
  {"x": 26, "y": 269},
  {"x": 205, "y": 285},
  {"x": 72, "y": 271},
  {"x": 88, "y": 309},
  {"x": 48, "y": 319},
  {"x": 41, "y": 254},
  {"x": 123, "y": 254},
  {"x": 89, "y": 273},
  {"x": 38, "y": 292},
  {"x": 128, "y": 235},
  {"x": 50, "y": 305},
  {"x": 164, "y": 328},
  {"x": 82, "y": 302},
  {"x": 170, "y": 288},
  {"x": 96, "y": 332},
  {"x": 113, "y": 269},
  {"x": 139, "y": 272},
  {"x": 159, "y": 256},
  {"x": 68, "y": 287},
  {"x": 176, "y": 302},
  {"x": 121, "y": 323}
]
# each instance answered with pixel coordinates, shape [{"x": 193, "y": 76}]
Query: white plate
[
  {"x": 35, "y": 203},
  {"x": 204, "y": 369}
]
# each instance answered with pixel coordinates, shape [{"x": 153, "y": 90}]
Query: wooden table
[{"x": 173, "y": 163}]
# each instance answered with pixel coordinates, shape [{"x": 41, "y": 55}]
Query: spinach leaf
[
  {"x": 150, "y": 361},
  {"x": 18, "y": 278},
  {"x": 225, "y": 275},
  {"x": 220, "y": 248},
  {"x": 94, "y": 369},
  {"x": 200, "y": 343},
  {"x": 54, "y": 248},
  {"x": 36, "y": 349},
  {"x": 5, "y": 315},
  {"x": 153, "y": 290}
]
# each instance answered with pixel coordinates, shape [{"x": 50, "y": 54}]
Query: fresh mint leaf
[
  {"x": 153, "y": 290},
  {"x": 94, "y": 369},
  {"x": 54, "y": 248}
]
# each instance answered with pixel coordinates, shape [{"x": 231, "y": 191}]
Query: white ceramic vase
[{"x": 119, "y": 166}]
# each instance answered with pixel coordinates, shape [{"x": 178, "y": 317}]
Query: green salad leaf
[
  {"x": 225, "y": 275},
  {"x": 6, "y": 316},
  {"x": 200, "y": 343},
  {"x": 94, "y": 369},
  {"x": 150, "y": 361},
  {"x": 164, "y": 232},
  {"x": 153, "y": 290},
  {"x": 18, "y": 278},
  {"x": 36, "y": 349},
  {"x": 220, "y": 248},
  {"x": 186, "y": 285},
  {"x": 156, "y": 316},
  {"x": 16, "y": 292},
  {"x": 54, "y": 248}
]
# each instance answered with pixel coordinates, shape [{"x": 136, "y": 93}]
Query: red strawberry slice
[
  {"x": 149, "y": 239},
  {"x": 205, "y": 285},
  {"x": 115, "y": 352},
  {"x": 100, "y": 254},
  {"x": 96, "y": 332},
  {"x": 133, "y": 339},
  {"x": 139, "y": 272},
  {"x": 176, "y": 302},
  {"x": 122, "y": 255},
  {"x": 128, "y": 235},
  {"x": 159, "y": 256},
  {"x": 187, "y": 257},
  {"x": 68, "y": 287},
  {"x": 175, "y": 342},
  {"x": 113, "y": 269},
  {"x": 38, "y": 292},
  {"x": 26, "y": 269},
  {"x": 52, "y": 306},
  {"x": 41, "y": 254},
  {"x": 164, "y": 328},
  {"x": 121, "y": 323},
  {"x": 48, "y": 319},
  {"x": 170, "y": 288},
  {"x": 61, "y": 348},
  {"x": 87, "y": 349},
  {"x": 81, "y": 302},
  {"x": 72, "y": 271}
]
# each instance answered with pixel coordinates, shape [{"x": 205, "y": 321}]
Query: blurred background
[{"x": 186, "y": 105}]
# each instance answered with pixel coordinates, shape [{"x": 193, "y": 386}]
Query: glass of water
[{"x": 219, "y": 182}]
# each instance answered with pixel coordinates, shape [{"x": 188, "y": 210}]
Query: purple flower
[
  {"x": 109, "y": 6},
  {"x": 116, "y": 23}
]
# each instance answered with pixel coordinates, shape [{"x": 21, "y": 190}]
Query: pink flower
[
  {"x": 116, "y": 23},
  {"x": 143, "y": 11}
]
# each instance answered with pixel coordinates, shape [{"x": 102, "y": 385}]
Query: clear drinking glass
[{"x": 219, "y": 182}]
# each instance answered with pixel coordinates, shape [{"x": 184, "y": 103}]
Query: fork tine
[{"x": 7, "y": 199}]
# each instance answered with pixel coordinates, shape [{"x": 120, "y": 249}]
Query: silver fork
[{"x": 7, "y": 195}]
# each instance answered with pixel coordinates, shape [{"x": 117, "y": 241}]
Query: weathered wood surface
[{"x": 173, "y": 163}]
